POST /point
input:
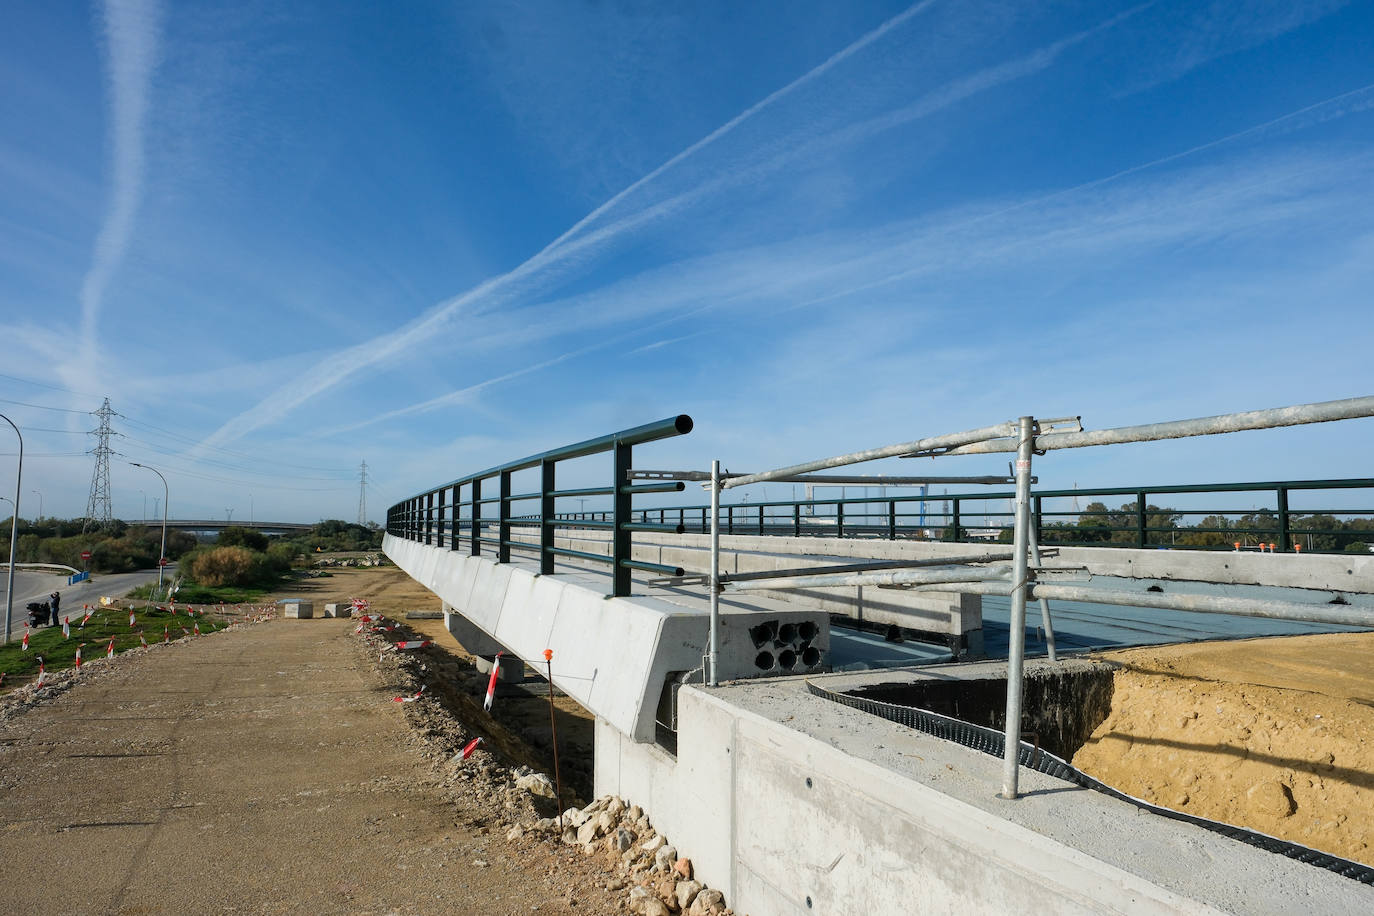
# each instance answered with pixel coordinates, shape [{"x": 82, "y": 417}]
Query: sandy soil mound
[{"x": 1276, "y": 735}]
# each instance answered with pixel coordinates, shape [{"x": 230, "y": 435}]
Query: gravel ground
[{"x": 268, "y": 769}]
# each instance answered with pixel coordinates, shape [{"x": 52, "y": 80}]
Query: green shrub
[{"x": 225, "y": 566}]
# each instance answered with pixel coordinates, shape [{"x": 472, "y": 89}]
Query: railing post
[
  {"x": 729, "y": 519},
  {"x": 621, "y": 536},
  {"x": 761, "y": 520},
  {"x": 796, "y": 520},
  {"x": 839, "y": 520},
  {"x": 429, "y": 518},
  {"x": 1285, "y": 539},
  {"x": 454, "y": 540},
  {"x": 503, "y": 525},
  {"x": 1140, "y": 519},
  {"x": 1038, "y": 518},
  {"x": 476, "y": 544},
  {"x": 706, "y": 525},
  {"x": 546, "y": 512},
  {"x": 954, "y": 521},
  {"x": 892, "y": 519}
]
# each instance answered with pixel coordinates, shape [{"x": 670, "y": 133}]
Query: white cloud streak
[
  {"x": 131, "y": 37},
  {"x": 583, "y": 239}
]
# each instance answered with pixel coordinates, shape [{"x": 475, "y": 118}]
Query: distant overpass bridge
[
  {"x": 217, "y": 525},
  {"x": 678, "y": 626}
]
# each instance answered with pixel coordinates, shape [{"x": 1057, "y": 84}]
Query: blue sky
[{"x": 285, "y": 238}]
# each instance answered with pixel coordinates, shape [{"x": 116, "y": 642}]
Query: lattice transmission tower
[
  {"x": 362, "y": 494},
  {"x": 98, "y": 513}
]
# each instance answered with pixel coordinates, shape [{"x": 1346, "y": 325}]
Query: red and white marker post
[
  {"x": 109, "y": 650},
  {"x": 491, "y": 682},
  {"x": 26, "y": 637},
  {"x": 468, "y": 748},
  {"x": 66, "y": 628}
]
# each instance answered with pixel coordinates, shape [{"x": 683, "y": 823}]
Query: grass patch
[
  {"x": 190, "y": 593},
  {"x": 105, "y": 624}
]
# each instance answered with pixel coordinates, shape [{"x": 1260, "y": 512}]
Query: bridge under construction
[{"x": 712, "y": 659}]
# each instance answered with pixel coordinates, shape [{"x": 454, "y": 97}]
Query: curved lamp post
[
  {"x": 14, "y": 528},
  {"x": 162, "y": 551}
]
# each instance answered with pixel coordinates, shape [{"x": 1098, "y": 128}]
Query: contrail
[
  {"x": 131, "y": 38},
  {"x": 338, "y": 367}
]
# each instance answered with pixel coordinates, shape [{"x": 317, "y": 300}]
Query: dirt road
[{"x": 265, "y": 769}]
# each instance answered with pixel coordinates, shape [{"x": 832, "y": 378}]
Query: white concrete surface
[
  {"x": 791, "y": 804},
  {"x": 612, "y": 655},
  {"x": 300, "y": 610}
]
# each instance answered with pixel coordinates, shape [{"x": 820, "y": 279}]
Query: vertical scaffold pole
[
  {"x": 1044, "y": 602},
  {"x": 1016, "y": 653},
  {"x": 714, "y": 584}
]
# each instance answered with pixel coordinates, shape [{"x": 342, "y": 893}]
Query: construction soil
[
  {"x": 1275, "y": 734},
  {"x": 267, "y": 768}
]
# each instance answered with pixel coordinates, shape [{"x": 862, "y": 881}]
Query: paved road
[{"x": 35, "y": 585}]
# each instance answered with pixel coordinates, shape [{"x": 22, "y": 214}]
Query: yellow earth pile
[{"x": 1276, "y": 735}]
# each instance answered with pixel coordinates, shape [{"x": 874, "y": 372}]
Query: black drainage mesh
[{"x": 991, "y": 741}]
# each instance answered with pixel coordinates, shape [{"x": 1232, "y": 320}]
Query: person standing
[{"x": 56, "y": 599}]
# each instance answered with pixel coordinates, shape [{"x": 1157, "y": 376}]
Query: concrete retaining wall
[{"x": 793, "y": 805}]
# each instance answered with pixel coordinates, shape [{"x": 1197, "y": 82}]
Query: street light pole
[
  {"x": 14, "y": 528},
  {"x": 162, "y": 551}
]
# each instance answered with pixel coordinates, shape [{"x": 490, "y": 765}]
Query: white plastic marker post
[
  {"x": 109, "y": 650},
  {"x": 26, "y": 637},
  {"x": 166, "y": 636},
  {"x": 410, "y": 699},
  {"x": 83, "y": 620},
  {"x": 491, "y": 682},
  {"x": 66, "y": 628},
  {"x": 196, "y": 627},
  {"x": 468, "y": 748},
  {"x": 141, "y": 640},
  {"x": 41, "y": 669},
  {"x": 132, "y": 621},
  {"x": 78, "y": 658}
]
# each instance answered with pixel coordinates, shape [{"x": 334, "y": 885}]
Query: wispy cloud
[
  {"x": 593, "y": 232},
  {"x": 1201, "y": 32},
  {"x": 131, "y": 30}
]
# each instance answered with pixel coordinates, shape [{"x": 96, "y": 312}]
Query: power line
[{"x": 43, "y": 406}]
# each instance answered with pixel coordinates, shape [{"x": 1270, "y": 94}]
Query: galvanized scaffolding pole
[
  {"x": 1272, "y": 418},
  {"x": 1016, "y": 654},
  {"x": 948, "y": 441},
  {"x": 714, "y": 584}
]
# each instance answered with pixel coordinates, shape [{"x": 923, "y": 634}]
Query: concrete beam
[{"x": 615, "y": 656}]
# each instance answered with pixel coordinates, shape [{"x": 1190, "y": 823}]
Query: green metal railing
[
  {"x": 458, "y": 516},
  {"x": 957, "y": 517}
]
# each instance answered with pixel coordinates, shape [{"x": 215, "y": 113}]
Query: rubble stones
[
  {"x": 709, "y": 902},
  {"x": 664, "y": 858},
  {"x": 536, "y": 784},
  {"x": 686, "y": 892}
]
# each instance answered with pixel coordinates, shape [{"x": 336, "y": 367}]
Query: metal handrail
[
  {"x": 886, "y": 521},
  {"x": 442, "y": 517}
]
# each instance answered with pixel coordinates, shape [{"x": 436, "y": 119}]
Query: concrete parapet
[
  {"x": 792, "y": 804},
  {"x": 622, "y": 658}
]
